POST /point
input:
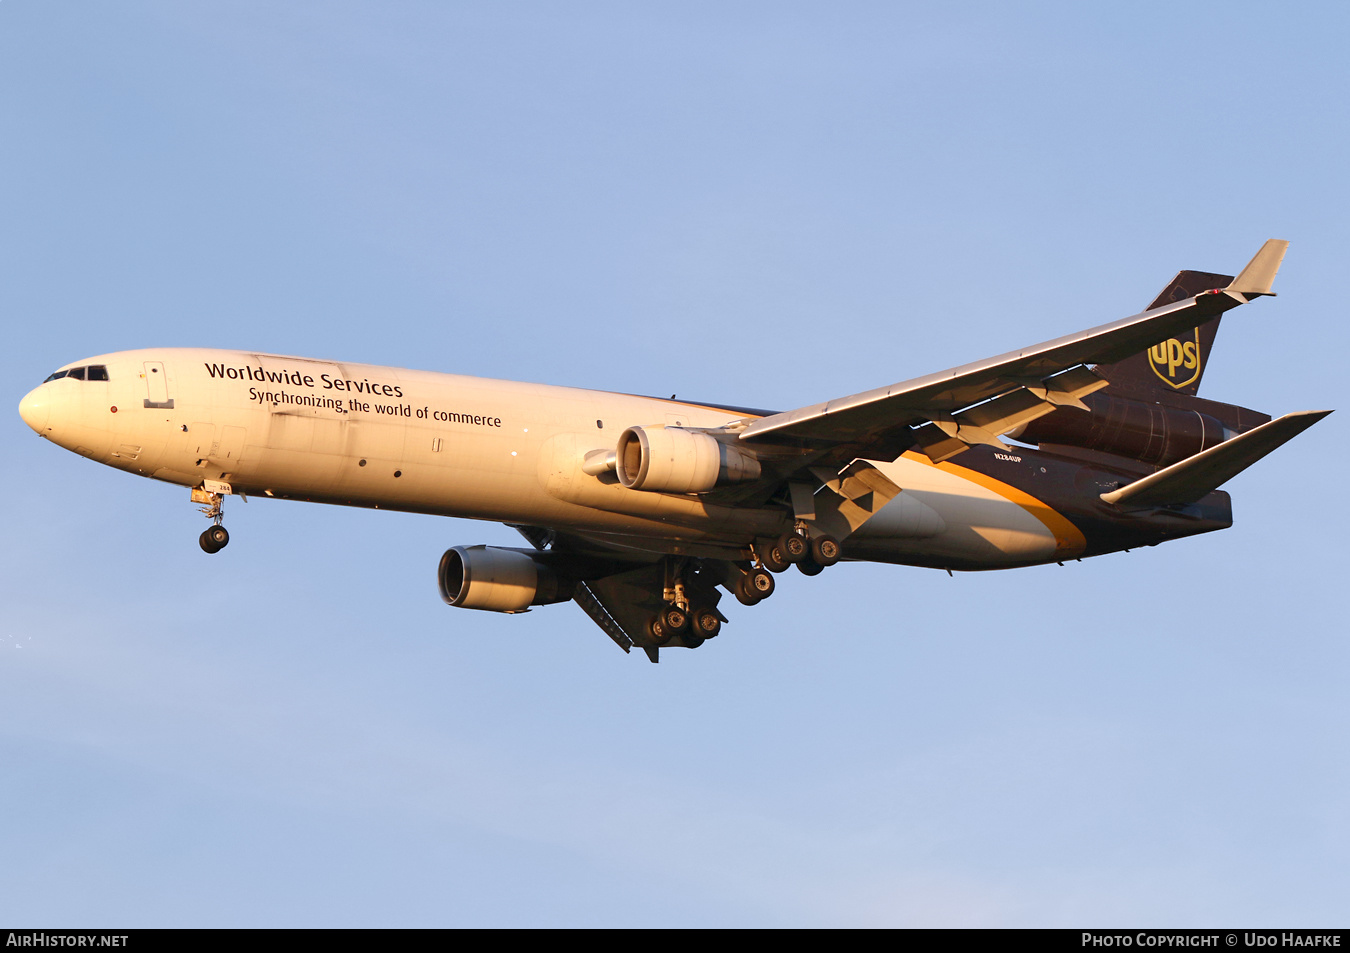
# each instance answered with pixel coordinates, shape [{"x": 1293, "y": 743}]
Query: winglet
[{"x": 1259, "y": 274}]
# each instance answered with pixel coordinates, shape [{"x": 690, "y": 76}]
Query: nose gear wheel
[{"x": 214, "y": 539}]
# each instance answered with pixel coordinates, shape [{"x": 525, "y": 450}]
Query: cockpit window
[{"x": 94, "y": 372}]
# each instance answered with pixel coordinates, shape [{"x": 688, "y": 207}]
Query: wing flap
[
  {"x": 594, "y": 608},
  {"x": 858, "y": 492},
  {"x": 604, "y": 606},
  {"x": 1194, "y": 477}
]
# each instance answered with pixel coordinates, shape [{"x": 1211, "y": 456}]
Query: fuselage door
[
  {"x": 226, "y": 452},
  {"x": 199, "y": 442},
  {"x": 156, "y": 385}
]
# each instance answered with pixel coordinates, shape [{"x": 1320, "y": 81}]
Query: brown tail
[{"x": 1176, "y": 365}]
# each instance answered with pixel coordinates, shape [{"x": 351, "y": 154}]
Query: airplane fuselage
[{"x": 450, "y": 445}]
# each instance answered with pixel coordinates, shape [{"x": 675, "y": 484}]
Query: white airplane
[{"x": 639, "y": 508}]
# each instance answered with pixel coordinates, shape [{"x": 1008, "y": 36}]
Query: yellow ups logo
[{"x": 1177, "y": 362}]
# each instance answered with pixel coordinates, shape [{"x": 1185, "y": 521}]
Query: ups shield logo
[{"x": 1177, "y": 361}]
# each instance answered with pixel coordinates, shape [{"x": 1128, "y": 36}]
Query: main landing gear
[
  {"x": 692, "y": 627},
  {"x": 810, "y": 555},
  {"x": 216, "y": 537},
  {"x": 754, "y": 587},
  {"x": 687, "y": 615}
]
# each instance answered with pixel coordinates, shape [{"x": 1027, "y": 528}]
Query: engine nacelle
[
  {"x": 672, "y": 460},
  {"x": 498, "y": 579},
  {"x": 1151, "y": 433}
]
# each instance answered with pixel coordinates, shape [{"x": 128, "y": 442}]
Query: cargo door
[
  {"x": 307, "y": 423},
  {"x": 225, "y": 453},
  {"x": 199, "y": 441}
]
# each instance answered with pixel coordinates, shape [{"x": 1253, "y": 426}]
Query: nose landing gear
[{"x": 214, "y": 538}]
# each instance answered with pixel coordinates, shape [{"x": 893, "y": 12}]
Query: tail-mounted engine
[
  {"x": 672, "y": 460},
  {"x": 499, "y": 579},
  {"x": 1141, "y": 430}
]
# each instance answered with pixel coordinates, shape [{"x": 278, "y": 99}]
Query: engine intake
[
  {"x": 673, "y": 460},
  {"x": 498, "y": 579}
]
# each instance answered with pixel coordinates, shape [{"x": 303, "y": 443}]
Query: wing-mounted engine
[
  {"x": 499, "y": 579},
  {"x": 675, "y": 460}
]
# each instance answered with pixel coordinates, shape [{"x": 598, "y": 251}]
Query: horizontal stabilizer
[{"x": 1194, "y": 477}]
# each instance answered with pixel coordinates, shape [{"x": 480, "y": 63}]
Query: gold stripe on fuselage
[{"x": 1069, "y": 539}]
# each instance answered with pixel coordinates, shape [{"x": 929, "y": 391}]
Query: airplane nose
[{"x": 34, "y": 409}]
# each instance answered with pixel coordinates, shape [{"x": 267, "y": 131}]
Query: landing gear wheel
[
  {"x": 691, "y": 641},
  {"x": 706, "y": 624},
  {"x": 825, "y": 550},
  {"x": 794, "y": 548},
  {"x": 758, "y": 584},
  {"x": 810, "y": 567},
  {"x": 742, "y": 596},
  {"x": 657, "y": 630},
  {"x": 214, "y": 539},
  {"x": 774, "y": 559},
  {"x": 674, "y": 619}
]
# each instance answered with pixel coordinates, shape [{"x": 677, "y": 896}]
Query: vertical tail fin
[{"x": 1176, "y": 365}]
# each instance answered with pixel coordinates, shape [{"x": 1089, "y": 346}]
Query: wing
[{"x": 975, "y": 403}]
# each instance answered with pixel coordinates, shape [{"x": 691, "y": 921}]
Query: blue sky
[{"x": 761, "y": 204}]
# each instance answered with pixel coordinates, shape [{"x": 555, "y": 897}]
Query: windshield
[{"x": 94, "y": 372}]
